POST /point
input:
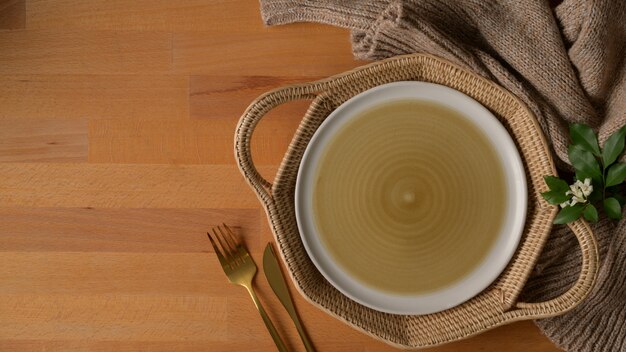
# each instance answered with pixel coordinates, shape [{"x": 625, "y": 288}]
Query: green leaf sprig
[{"x": 599, "y": 178}]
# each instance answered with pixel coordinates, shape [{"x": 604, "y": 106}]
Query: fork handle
[{"x": 268, "y": 323}]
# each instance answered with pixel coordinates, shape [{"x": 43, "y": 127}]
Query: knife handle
[{"x": 301, "y": 332}]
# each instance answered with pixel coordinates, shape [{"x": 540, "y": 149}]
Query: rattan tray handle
[
  {"x": 248, "y": 122},
  {"x": 580, "y": 289},
  {"x": 266, "y": 102}
]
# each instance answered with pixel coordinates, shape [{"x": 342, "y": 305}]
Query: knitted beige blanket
[{"x": 567, "y": 64}]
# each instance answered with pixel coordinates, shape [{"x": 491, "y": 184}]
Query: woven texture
[
  {"x": 497, "y": 305},
  {"x": 566, "y": 64}
]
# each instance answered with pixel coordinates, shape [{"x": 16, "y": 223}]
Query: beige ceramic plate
[{"x": 496, "y": 259}]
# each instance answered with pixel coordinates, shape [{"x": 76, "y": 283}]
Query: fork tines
[{"x": 228, "y": 243}]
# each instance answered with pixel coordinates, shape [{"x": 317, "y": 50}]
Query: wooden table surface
[{"x": 116, "y": 129}]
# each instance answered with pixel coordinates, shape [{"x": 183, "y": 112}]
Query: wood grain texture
[
  {"x": 86, "y": 229},
  {"x": 84, "y": 52},
  {"x": 145, "y": 15},
  {"x": 103, "y": 273},
  {"x": 12, "y": 14},
  {"x": 184, "y": 142},
  {"x": 94, "y": 96},
  {"x": 228, "y": 96},
  {"x": 257, "y": 53},
  {"x": 43, "y": 140},
  {"x": 116, "y": 157},
  {"x": 135, "y": 317},
  {"x": 123, "y": 186}
]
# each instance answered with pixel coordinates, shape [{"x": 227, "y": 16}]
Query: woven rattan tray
[{"x": 498, "y": 304}]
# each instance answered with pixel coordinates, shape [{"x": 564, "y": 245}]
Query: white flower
[
  {"x": 576, "y": 200},
  {"x": 586, "y": 187},
  {"x": 579, "y": 191}
]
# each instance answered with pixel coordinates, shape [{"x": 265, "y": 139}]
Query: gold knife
[{"x": 275, "y": 277}]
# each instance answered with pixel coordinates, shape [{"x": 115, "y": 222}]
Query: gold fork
[{"x": 240, "y": 269}]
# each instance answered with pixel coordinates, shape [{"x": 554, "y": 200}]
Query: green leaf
[
  {"x": 620, "y": 198},
  {"x": 591, "y": 213},
  {"x": 556, "y": 184},
  {"x": 613, "y": 147},
  {"x": 584, "y": 162},
  {"x": 616, "y": 174},
  {"x": 612, "y": 208},
  {"x": 569, "y": 214},
  {"x": 555, "y": 197},
  {"x": 584, "y": 136}
]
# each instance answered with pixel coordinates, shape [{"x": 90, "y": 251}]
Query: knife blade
[{"x": 274, "y": 275}]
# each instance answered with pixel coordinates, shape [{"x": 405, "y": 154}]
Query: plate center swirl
[{"x": 409, "y": 196}]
